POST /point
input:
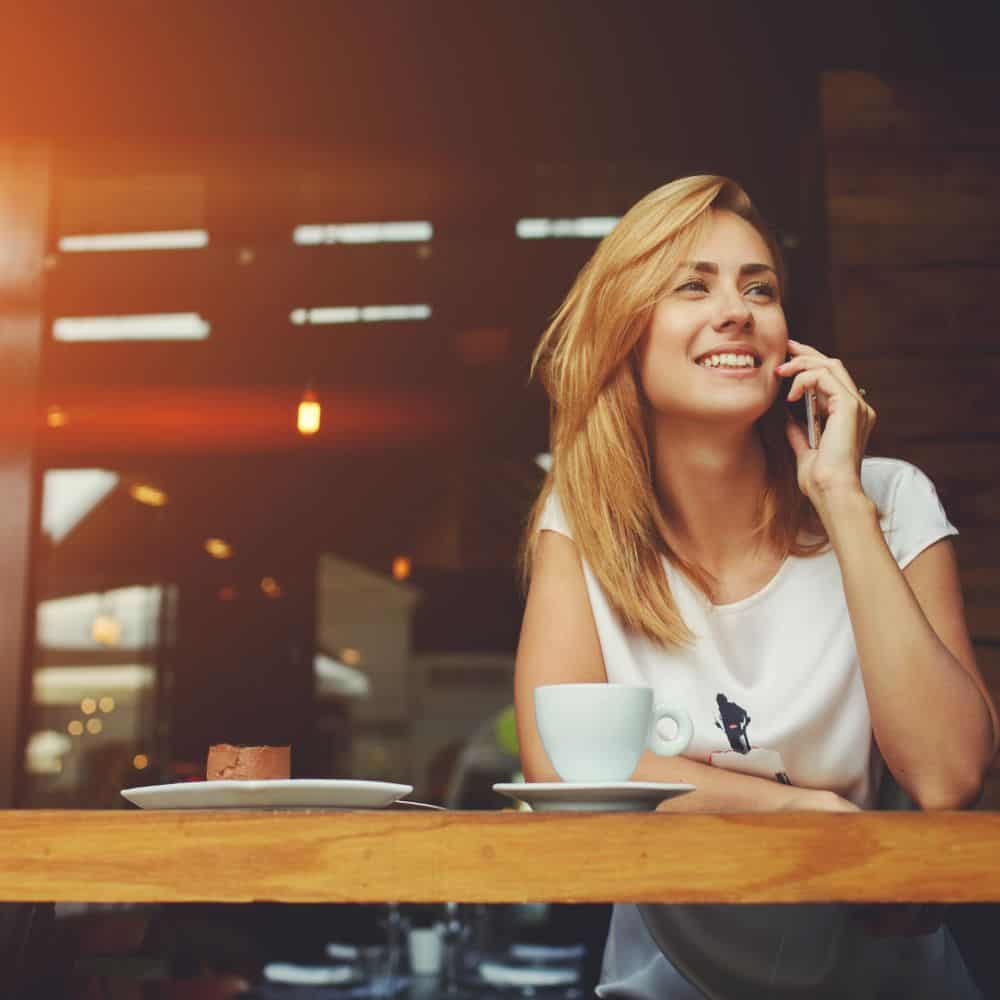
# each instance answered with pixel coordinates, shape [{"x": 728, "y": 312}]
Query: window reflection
[
  {"x": 345, "y": 585},
  {"x": 93, "y": 696},
  {"x": 367, "y": 666}
]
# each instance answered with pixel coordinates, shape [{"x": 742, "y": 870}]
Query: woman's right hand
[{"x": 816, "y": 800}]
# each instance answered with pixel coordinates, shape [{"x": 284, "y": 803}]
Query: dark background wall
[{"x": 912, "y": 171}]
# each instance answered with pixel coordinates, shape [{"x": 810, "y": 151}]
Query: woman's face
[{"x": 725, "y": 300}]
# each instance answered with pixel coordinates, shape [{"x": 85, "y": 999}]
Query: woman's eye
[
  {"x": 762, "y": 288},
  {"x": 695, "y": 285}
]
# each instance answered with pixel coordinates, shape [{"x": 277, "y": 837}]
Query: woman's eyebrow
[
  {"x": 757, "y": 269},
  {"x": 707, "y": 267}
]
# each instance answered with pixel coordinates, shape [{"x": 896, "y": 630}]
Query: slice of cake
[{"x": 233, "y": 763}]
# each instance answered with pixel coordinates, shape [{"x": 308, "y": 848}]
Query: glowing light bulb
[
  {"x": 309, "y": 413},
  {"x": 401, "y": 567}
]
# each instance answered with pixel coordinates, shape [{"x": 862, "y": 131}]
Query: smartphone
[{"x": 805, "y": 410}]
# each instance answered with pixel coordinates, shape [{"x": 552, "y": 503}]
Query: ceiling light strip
[
  {"x": 178, "y": 239},
  {"x": 154, "y": 326},
  {"x": 359, "y": 314},
  {"x": 587, "y": 227},
  {"x": 364, "y": 232}
]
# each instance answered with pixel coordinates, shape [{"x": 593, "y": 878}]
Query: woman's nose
[{"x": 733, "y": 312}]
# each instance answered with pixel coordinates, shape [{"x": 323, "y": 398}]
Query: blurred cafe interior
[{"x": 273, "y": 276}]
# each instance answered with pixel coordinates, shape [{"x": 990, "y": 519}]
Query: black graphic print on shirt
[{"x": 734, "y": 721}]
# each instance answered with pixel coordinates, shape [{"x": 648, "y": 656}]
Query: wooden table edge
[{"x": 497, "y": 857}]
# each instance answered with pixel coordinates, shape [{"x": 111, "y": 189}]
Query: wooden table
[{"x": 501, "y": 857}]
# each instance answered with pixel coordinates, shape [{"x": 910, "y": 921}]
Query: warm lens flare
[
  {"x": 218, "y": 548},
  {"x": 149, "y": 495},
  {"x": 208, "y": 420},
  {"x": 106, "y": 630},
  {"x": 56, "y": 416}
]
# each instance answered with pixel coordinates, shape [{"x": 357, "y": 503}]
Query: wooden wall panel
[
  {"x": 912, "y": 170},
  {"x": 862, "y": 110},
  {"x": 914, "y": 188},
  {"x": 941, "y": 308},
  {"x": 24, "y": 199},
  {"x": 920, "y": 398}
]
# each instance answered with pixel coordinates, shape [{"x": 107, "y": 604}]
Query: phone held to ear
[{"x": 805, "y": 411}]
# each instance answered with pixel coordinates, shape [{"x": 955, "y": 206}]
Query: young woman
[{"x": 803, "y": 604}]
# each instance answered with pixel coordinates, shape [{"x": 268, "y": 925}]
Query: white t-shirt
[{"x": 773, "y": 686}]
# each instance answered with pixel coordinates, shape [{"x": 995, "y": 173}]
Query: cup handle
[{"x": 680, "y": 742}]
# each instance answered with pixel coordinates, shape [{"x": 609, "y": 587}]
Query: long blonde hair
[{"x": 601, "y": 461}]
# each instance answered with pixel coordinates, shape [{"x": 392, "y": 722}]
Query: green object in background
[{"x": 505, "y": 731}]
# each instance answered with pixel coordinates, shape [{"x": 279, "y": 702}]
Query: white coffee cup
[
  {"x": 426, "y": 950},
  {"x": 597, "y": 732}
]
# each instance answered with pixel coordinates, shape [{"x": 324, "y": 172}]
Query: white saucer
[
  {"x": 293, "y": 974},
  {"x": 603, "y": 796},
  {"x": 502, "y": 974},
  {"x": 293, "y": 793}
]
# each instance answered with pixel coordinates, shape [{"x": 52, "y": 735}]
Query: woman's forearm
[
  {"x": 720, "y": 791},
  {"x": 933, "y": 727}
]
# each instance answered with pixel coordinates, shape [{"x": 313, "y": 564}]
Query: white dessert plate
[
  {"x": 542, "y": 953},
  {"x": 342, "y": 952},
  {"x": 603, "y": 796},
  {"x": 293, "y": 793},
  {"x": 311, "y": 975},
  {"x": 500, "y": 974}
]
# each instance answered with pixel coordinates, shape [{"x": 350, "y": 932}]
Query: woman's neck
[{"x": 711, "y": 487}]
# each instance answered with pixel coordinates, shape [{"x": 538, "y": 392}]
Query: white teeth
[{"x": 728, "y": 361}]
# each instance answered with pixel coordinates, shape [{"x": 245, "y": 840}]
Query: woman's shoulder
[
  {"x": 553, "y": 517},
  {"x": 882, "y": 477},
  {"x": 912, "y": 513}
]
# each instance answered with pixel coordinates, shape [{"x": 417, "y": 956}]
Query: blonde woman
[{"x": 688, "y": 538}]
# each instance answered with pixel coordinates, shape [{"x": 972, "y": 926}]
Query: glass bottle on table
[
  {"x": 454, "y": 972},
  {"x": 384, "y": 980}
]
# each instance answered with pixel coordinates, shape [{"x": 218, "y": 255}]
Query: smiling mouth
[{"x": 729, "y": 365}]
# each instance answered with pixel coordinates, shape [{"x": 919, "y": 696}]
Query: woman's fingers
[
  {"x": 832, "y": 386},
  {"x": 821, "y": 378},
  {"x": 836, "y": 368},
  {"x": 848, "y": 424},
  {"x": 809, "y": 356}
]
